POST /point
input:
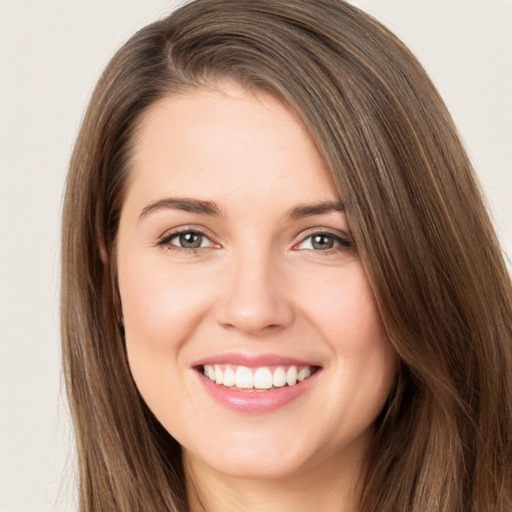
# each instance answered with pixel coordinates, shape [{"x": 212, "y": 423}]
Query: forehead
[{"x": 225, "y": 143}]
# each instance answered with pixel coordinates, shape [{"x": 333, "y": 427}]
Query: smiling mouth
[{"x": 263, "y": 378}]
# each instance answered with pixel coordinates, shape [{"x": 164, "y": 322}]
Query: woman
[{"x": 280, "y": 285}]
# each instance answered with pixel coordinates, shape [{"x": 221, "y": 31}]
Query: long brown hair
[{"x": 444, "y": 440}]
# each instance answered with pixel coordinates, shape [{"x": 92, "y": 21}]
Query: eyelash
[
  {"x": 165, "y": 241},
  {"x": 342, "y": 242}
]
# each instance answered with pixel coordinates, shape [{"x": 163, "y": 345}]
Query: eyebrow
[
  {"x": 182, "y": 203},
  {"x": 210, "y": 208},
  {"x": 309, "y": 210}
]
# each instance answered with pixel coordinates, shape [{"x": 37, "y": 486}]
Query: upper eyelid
[
  {"x": 188, "y": 228},
  {"x": 323, "y": 230}
]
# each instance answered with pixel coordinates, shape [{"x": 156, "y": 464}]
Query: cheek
[
  {"x": 343, "y": 309},
  {"x": 160, "y": 306},
  {"x": 363, "y": 360}
]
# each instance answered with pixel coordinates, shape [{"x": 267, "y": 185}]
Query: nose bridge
[{"x": 256, "y": 300}]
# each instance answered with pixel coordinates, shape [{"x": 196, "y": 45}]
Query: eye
[
  {"x": 186, "y": 240},
  {"x": 324, "y": 242}
]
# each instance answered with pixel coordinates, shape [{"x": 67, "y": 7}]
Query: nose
[{"x": 256, "y": 300}]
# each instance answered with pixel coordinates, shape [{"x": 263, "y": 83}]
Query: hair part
[{"x": 443, "y": 440}]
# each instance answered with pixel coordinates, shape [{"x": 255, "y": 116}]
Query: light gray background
[{"x": 51, "y": 54}]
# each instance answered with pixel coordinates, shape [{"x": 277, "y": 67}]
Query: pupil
[
  {"x": 323, "y": 242},
  {"x": 191, "y": 240}
]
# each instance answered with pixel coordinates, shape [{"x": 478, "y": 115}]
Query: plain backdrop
[{"x": 51, "y": 54}]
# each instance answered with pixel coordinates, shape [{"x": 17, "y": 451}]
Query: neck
[{"x": 333, "y": 487}]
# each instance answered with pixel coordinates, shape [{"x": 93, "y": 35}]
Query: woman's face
[{"x": 235, "y": 260}]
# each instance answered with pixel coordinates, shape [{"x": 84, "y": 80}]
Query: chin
[
  {"x": 254, "y": 466},
  {"x": 262, "y": 457}
]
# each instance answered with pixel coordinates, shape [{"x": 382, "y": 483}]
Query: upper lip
[{"x": 252, "y": 360}]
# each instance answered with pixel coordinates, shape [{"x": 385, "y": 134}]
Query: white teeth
[
  {"x": 244, "y": 378},
  {"x": 218, "y": 374},
  {"x": 261, "y": 378},
  {"x": 291, "y": 376},
  {"x": 279, "y": 378},
  {"x": 229, "y": 377},
  {"x": 303, "y": 374}
]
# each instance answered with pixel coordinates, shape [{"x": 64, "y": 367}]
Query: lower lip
[{"x": 256, "y": 401}]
